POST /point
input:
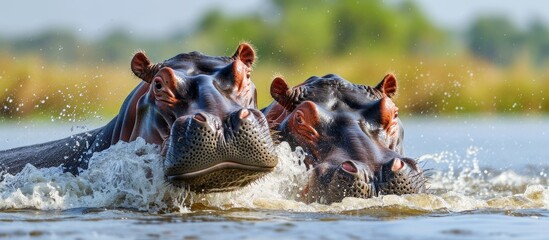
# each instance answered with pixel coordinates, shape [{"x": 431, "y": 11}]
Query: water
[{"x": 489, "y": 181}]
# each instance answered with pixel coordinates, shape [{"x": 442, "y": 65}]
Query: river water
[{"x": 489, "y": 181}]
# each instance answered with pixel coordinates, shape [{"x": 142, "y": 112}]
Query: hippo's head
[
  {"x": 203, "y": 112},
  {"x": 351, "y": 135}
]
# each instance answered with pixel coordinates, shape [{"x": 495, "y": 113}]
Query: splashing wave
[{"x": 129, "y": 175}]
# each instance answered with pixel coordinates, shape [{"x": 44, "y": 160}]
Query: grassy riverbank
[
  {"x": 34, "y": 88},
  {"x": 492, "y": 68}
]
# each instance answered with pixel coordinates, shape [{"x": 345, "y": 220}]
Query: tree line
[{"x": 493, "y": 66}]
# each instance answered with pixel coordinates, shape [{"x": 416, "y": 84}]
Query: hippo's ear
[
  {"x": 142, "y": 67},
  {"x": 388, "y": 85},
  {"x": 245, "y": 53},
  {"x": 282, "y": 94},
  {"x": 279, "y": 89},
  {"x": 241, "y": 67}
]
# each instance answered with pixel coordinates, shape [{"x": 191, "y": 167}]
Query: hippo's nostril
[
  {"x": 397, "y": 165},
  {"x": 199, "y": 117},
  {"x": 244, "y": 113},
  {"x": 349, "y": 167}
]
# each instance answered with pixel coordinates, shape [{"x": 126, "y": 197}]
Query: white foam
[
  {"x": 129, "y": 175},
  {"x": 125, "y": 175}
]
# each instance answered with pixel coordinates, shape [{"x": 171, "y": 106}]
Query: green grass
[{"x": 31, "y": 87}]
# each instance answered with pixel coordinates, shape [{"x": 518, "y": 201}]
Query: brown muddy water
[{"x": 490, "y": 182}]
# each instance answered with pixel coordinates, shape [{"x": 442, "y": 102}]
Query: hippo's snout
[
  {"x": 357, "y": 180},
  {"x": 332, "y": 182},
  {"x": 208, "y": 154},
  {"x": 400, "y": 176}
]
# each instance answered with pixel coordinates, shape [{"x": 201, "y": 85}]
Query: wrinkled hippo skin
[
  {"x": 200, "y": 109},
  {"x": 351, "y": 135}
]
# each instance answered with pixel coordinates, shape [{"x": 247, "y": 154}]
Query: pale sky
[
  {"x": 457, "y": 14},
  {"x": 97, "y": 17},
  {"x": 159, "y": 18}
]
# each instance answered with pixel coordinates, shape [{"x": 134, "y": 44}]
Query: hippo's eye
[
  {"x": 299, "y": 117},
  {"x": 157, "y": 85},
  {"x": 396, "y": 114}
]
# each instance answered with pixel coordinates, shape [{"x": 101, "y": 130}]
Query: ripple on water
[{"x": 129, "y": 175}]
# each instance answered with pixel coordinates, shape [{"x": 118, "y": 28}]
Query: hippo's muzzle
[
  {"x": 210, "y": 155},
  {"x": 400, "y": 176},
  {"x": 332, "y": 181}
]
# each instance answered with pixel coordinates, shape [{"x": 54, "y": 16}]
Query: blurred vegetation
[{"x": 494, "y": 67}]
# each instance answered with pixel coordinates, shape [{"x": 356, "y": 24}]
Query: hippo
[
  {"x": 351, "y": 136},
  {"x": 202, "y": 112}
]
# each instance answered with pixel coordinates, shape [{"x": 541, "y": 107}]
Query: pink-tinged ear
[
  {"x": 245, "y": 53},
  {"x": 241, "y": 67},
  {"x": 279, "y": 89},
  {"x": 141, "y": 67},
  {"x": 388, "y": 85}
]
